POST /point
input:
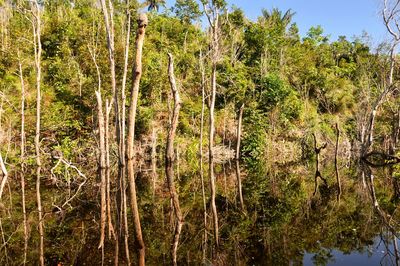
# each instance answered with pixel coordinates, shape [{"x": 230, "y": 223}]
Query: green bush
[{"x": 254, "y": 136}]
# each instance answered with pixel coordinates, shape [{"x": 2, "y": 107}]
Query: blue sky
[{"x": 337, "y": 17}]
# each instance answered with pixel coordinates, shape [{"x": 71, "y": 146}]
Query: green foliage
[
  {"x": 290, "y": 86},
  {"x": 315, "y": 37},
  {"x": 187, "y": 10},
  {"x": 254, "y": 139},
  {"x": 272, "y": 91},
  {"x": 291, "y": 107},
  {"x": 143, "y": 121}
]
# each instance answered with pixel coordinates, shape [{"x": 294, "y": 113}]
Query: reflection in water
[
  {"x": 239, "y": 184},
  {"x": 282, "y": 223},
  {"x": 379, "y": 252}
]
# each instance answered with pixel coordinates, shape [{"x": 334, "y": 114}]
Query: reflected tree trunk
[
  {"x": 170, "y": 160},
  {"x": 154, "y": 159},
  {"x": 384, "y": 216},
  {"x": 338, "y": 181},
  {"x": 396, "y": 250},
  {"x": 239, "y": 182},
  {"x": 317, "y": 150}
]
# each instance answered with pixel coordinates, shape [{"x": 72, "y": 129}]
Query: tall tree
[
  {"x": 212, "y": 10},
  {"x": 170, "y": 159},
  {"x": 37, "y": 31},
  {"x": 391, "y": 19},
  {"x": 134, "y": 93}
]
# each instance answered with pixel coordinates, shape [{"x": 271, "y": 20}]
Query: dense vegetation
[{"x": 294, "y": 91}]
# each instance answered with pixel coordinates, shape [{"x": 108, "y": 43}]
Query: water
[
  {"x": 283, "y": 222},
  {"x": 380, "y": 252}
]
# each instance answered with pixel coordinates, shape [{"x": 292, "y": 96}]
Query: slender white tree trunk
[
  {"x": 170, "y": 159},
  {"x": 36, "y": 26},
  {"x": 22, "y": 158}
]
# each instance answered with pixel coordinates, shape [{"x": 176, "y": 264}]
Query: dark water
[{"x": 285, "y": 220}]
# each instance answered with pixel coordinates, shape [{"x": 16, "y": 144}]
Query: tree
[
  {"x": 154, "y": 4},
  {"x": 212, "y": 10},
  {"x": 391, "y": 19},
  {"x": 170, "y": 159},
  {"x": 187, "y": 10},
  {"x": 134, "y": 93},
  {"x": 37, "y": 31}
]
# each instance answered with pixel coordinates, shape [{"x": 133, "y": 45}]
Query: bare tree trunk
[
  {"x": 389, "y": 15},
  {"x": 36, "y": 26},
  {"x": 108, "y": 13},
  {"x": 109, "y": 23},
  {"x": 170, "y": 159},
  {"x": 108, "y": 168},
  {"x": 102, "y": 166},
  {"x": 4, "y": 175},
  {"x": 396, "y": 250},
  {"x": 211, "y": 155},
  {"x": 123, "y": 144},
  {"x": 22, "y": 158},
  {"x": 203, "y": 101},
  {"x": 239, "y": 132},
  {"x": 212, "y": 14},
  {"x": 238, "y": 136},
  {"x": 137, "y": 73},
  {"x": 395, "y": 132},
  {"x": 102, "y": 153}
]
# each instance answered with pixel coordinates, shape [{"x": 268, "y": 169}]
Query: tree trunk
[
  {"x": 368, "y": 140},
  {"x": 137, "y": 73},
  {"x": 123, "y": 144},
  {"x": 102, "y": 153},
  {"x": 3, "y": 169},
  {"x": 203, "y": 101},
  {"x": 36, "y": 26},
  {"x": 109, "y": 23},
  {"x": 4, "y": 175},
  {"x": 170, "y": 159},
  {"x": 213, "y": 19},
  {"x": 22, "y": 158},
  {"x": 239, "y": 132},
  {"x": 211, "y": 155},
  {"x": 108, "y": 168}
]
